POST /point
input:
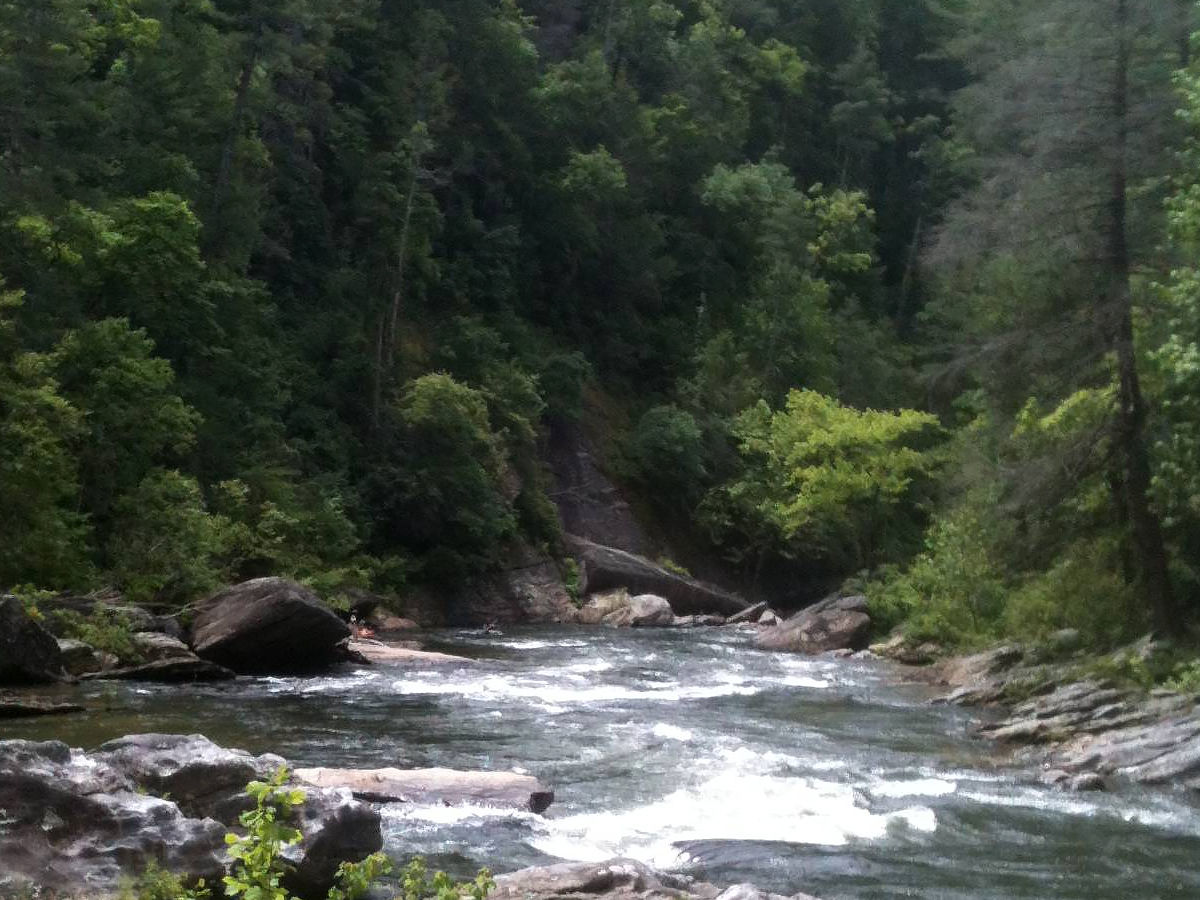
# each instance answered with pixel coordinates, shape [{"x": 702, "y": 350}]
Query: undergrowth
[{"x": 259, "y": 868}]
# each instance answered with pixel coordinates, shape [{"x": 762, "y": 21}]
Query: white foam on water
[
  {"x": 437, "y": 815},
  {"x": 540, "y": 691},
  {"x": 671, "y": 732},
  {"x": 732, "y": 806},
  {"x": 916, "y": 787},
  {"x": 1160, "y": 812}
]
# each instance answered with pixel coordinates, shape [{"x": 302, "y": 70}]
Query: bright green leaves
[
  {"x": 257, "y": 856},
  {"x": 822, "y": 480}
]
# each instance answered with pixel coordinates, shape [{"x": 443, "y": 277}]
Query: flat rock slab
[
  {"x": 171, "y": 671},
  {"x": 28, "y": 707},
  {"x": 617, "y": 879},
  {"x": 448, "y": 787},
  {"x": 379, "y": 652}
]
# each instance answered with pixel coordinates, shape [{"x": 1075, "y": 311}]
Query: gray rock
[
  {"x": 618, "y": 879},
  {"x": 835, "y": 623},
  {"x": 768, "y": 619},
  {"x": 80, "y": 658},
  {"x": 605, "y": 568},
  {"x": 16, "y": 707},
  {"x": 748, "y": 615},
  {"x": 72, "y": 821},
  {"x": 171, "y": 671},
  {"x": 268, "y": 625},
  {"x": 28, "y": 653},
  {"x": 205, "y": 779},
  {"x": 154, "y": 645},
  {"x": 650, "y": 611},
  {"x": 447, "y": 787}
]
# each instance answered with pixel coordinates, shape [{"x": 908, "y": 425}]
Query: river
[{"x": 692, "y": 751}]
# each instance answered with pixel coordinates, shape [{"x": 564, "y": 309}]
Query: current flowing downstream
[{"x": 692, "y": 751}]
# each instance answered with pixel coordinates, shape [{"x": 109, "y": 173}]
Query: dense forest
[{"x": 905, "y": 292}]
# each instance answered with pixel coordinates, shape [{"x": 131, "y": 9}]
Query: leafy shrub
[
  {"x": 824, "y": 481},
  {"x": 165, "y": 538},
  {"x": 106, "y": 629},
  {"x": 573, "y": 580},
  {"x": 667, "y": 452}
]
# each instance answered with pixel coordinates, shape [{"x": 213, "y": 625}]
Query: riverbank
[{"x": 1083, "y": 729}]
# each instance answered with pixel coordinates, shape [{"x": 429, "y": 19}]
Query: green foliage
[
  {"x": 106, "y": 628},
  {"x": 156, "y": 883},
  {"x": 573, "y": 580},
  {"x": 449, "y": 497},
  {"x": 257, "y": 855},
  {"x": 667, "y": 451},
  {"x": 164, "y": 539},
  {"x": 417, "y": 884},
  {"x": 823, "y": 480}
]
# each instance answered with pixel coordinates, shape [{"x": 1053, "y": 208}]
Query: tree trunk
[{"x": 1148, "y": 543}]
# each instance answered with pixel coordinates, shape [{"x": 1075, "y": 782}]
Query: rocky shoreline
[{"x": 1078, "y": 733}]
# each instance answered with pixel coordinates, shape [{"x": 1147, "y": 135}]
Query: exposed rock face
[
  {"x": 618, "y": 879},
  {"x": 268, "y": 625},
  {"x": 532, "y": 591},
  {"x": 502, "y": 790},
  {"x": 836, "y": 623},
  {"x": 589, "y": 504},
  {"x": 28, "y": 653},
  {"x": 73, "y": 822},
  {"x": 606, "y": 568}
]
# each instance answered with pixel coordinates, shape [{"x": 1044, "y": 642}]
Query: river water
[{"x": 691, "y": 751}]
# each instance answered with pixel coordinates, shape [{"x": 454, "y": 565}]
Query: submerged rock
[
  {"x": 28, "y": 653},
  {"x": 836, "y": 623},
  {"x": 29, "y": 707},
  {"x": 268, "y": 626},
  {"x": 447, "y": 787}
]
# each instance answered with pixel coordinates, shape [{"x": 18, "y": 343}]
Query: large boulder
[
  {"x": 268, "y": 625},
  {"x": 205, "y": 779},
  {"x": 605, "y": 568},
  {"x": 74, "y": 824},
  {"x": 439, "y": 787},
  {"x": 28, "y": 653},
  {"x": 836, "y": 623}
]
